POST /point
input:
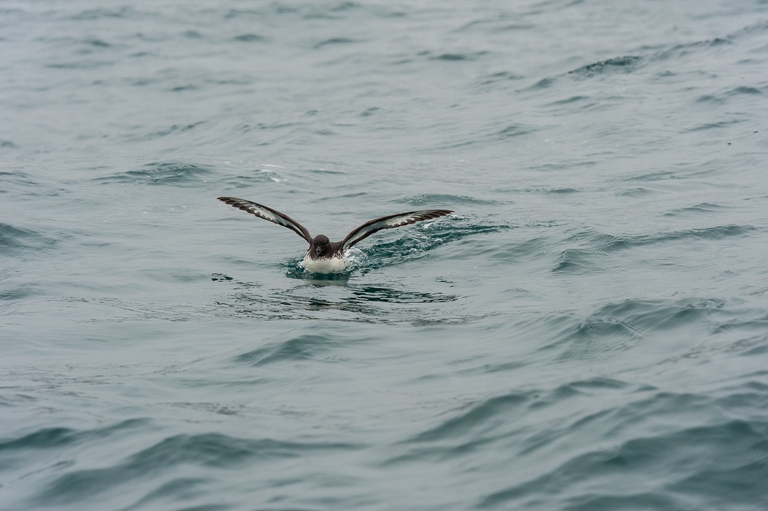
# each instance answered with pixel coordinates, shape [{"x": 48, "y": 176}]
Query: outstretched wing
[
  {"x": 268, "y": 214},
  {"x": 389, "y": 222}
]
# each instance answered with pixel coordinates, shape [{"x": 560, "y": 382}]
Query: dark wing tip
[
  {"x": 429, "y": 214},
  {"x": 437, "y": 213},
  {"x": 235, "y": 202}
]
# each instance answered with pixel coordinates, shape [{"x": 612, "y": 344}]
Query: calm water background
[{"x": 589, "y": 331}]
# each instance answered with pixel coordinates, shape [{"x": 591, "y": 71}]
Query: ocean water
[{"x": 588, "y": 330}]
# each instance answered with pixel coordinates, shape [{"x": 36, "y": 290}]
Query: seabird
[{"x": 324, "y": 255}]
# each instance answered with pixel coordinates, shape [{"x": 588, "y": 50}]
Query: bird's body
[
  {"x": 324, "y": 255},
  {"x": 333, "y": 264}
]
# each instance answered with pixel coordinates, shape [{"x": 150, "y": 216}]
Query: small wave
[
  {"x": 678, "y": 51},
  {"x": 722, "y": 98},
  {"x": 704, "y": 207},
  {"x": 751, "y": 91},
  {"x": 572, "y": 99},
  {"x": 95, "y": 14},
  {"x": 242, "y": 13},
  {"x": 248, "y": 181},
  {"x": 713, "y": 125},
  {"x": 622, "y": 65},
  {"x": 20, "y": 292},
  {"x": 758, "y": 323},
  {"x": 692, "y": 464},
  {"x": 654, "y": 176},
  {"x": 625, "y": 64},
  {"x": 617, "y": 326},
  {"x": 618, "y": 65},
  {"x": 544, "y": 83},
  {"x": 479, "y": 422},
  {"x": 54, "y": 438},
  {"x": 634, "y": 192},
  {"x": 444, "y": 200},
  {"x": 520, "y": 250},
  {"x": 344, "y": 6},
  {"x": 711, "y": 99},
  {"x": 555, "y": 191},
  {"x": 514, "y": 130},
  {"x": 246, "y": 128},
  {"x": 457, "y": 57},
  {"x": 174, "y": 129},
  {"x": 333, "y": 41},
  {"x": 296, "y": 348},
  {"x": 82, "y": 64},
  {"x": 473, "y": 421},
  {"x": 369, "y": 111},
  {"x": 248, "y": 38},
  {"x": 15, "y": 241},
  {"x": 326, "y": 171},
  {"x": 160, "y": 173},
  {"x": 97, "y": 43},
  {"x": 178, "y": 88},
  {"x": 597, "y": 244},
  {"x": 501, "y": 76},
  {"x": 490, "y": 134},
  {"x": 210, "y": 450}
]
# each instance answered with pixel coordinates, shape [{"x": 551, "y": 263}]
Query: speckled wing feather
[
  {"x": 268, "y": 214},
  {"x": 390, "y": 222}
]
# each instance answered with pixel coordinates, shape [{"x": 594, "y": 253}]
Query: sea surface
[{"x": 588, "y": 331}]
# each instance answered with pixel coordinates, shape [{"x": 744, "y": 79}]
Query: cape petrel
[{"x": 324, "y": 255}]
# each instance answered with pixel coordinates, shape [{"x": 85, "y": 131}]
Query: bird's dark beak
[{"x": 318, "y": 250}]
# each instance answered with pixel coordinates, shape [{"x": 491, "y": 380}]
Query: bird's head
[{"x": 321, "y": 246}]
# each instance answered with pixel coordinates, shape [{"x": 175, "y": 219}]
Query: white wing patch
[
  {"x": 268, "y": 214},
  {"x": 390, "y": 222}
]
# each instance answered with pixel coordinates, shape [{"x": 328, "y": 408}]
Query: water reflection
[
  {"x": 322, "y": 280},
  {"x": 312, "y": 299}
]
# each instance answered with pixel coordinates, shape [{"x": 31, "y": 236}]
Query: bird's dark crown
[{"x": 321, "y": 247}]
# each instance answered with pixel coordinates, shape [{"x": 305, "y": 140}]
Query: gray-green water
[{"x": 589, "y": 331}]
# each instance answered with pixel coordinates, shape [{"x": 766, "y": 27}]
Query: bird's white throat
[{"x": 330, "y": 265}]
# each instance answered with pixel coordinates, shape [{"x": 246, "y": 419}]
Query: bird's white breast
[{"x": 331, "y": 265}]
